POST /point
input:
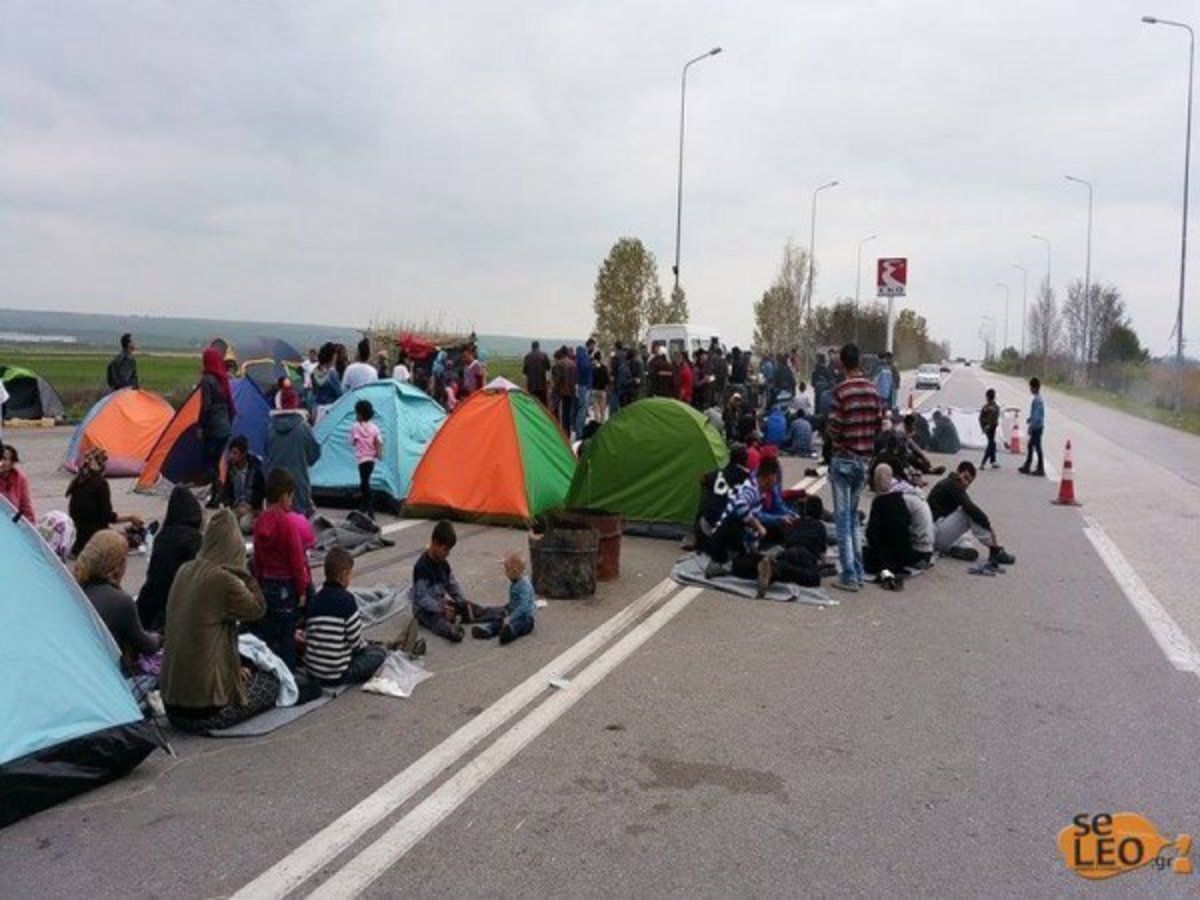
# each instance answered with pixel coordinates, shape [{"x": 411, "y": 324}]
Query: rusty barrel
[
  {"x": 610, "y": 526},
  {"x": 563, "y": 561}
]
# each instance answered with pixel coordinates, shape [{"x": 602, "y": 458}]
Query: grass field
[
  {"x": 80, "y": 377},
  {"x": 1189, "y": 421}
]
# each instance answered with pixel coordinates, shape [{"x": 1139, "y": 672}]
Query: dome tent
[
  {"x": 498, "y": 458},
  {"x": 30, "y": 396},
  {"x": 125, "y": 424},
  {"x": 646, "y": 463},
  {"x": 408, "y": 418}
]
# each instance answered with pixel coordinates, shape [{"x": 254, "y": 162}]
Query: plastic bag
[{"x": 397, "y": 677}]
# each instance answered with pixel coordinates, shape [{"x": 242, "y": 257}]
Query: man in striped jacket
[{"x": 855, "y": 417}]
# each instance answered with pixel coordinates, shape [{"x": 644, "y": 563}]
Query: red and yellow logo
[{"x": 1101, "y": 845}]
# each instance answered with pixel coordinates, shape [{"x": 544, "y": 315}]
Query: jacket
[
  {"x": 122, "y": 372},
  {"x": 211, "y": 594},
  {"x": 255, "y": 486},
  {"x": 1037, "y": 412},
  {"x": 291, "y": 445},
  {"x": 583, "y": 366},
  {"x": 116, "y": 610},
  {"x": 889, "y": 538},
  {"x": 989, "y": 416},
  {"x": 215, "y": 420},
  {"x": 177, "y": 542},
  {"x": 949, "y": 495},
  {"x": 90, "y": 508},
  {"x": 326, "y": 386},
  {"x": 279, "y": 550},
  {"x": 14, "y": 487}
]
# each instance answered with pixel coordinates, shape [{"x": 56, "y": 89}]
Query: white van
[{"x": 681, "y": 336}]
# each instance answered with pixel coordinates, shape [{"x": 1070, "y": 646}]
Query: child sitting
[
  {"x": 518, "y": 614},
  {"x": 437, "y": 600},
  {"x": 337, "y": 652}
]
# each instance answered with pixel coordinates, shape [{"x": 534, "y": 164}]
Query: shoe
[
  {"x": 966, "y": 554},
  {"x": 1001, "y": 557},
  {"x": 715, "y": 569},
  {"x": 456, "y": 634},
  {"x": 480, "y": 633},
  {"x": 1040, "y": 473},
  {"x": 827, "y": 569},
  {"x": 995, "y": 465},
  {"x": 418, "y": 648},
  {"x": 1024, "y": 470},
  {"x": 765, "y": 571},
  {"x": 851, "y": 586}
]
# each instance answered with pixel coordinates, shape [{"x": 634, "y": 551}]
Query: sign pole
[
  {"x": 891, "y": 324},
  {"x": 891, "y": 281}
]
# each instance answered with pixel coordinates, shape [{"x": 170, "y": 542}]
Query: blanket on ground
[{"x": 690, "y": 570}]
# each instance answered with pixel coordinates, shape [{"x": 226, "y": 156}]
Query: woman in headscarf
[
  {"x": 204, "y": 684},
  {"x": 214, "y": 425},
  {"x": 177, "y": 542},
  {"x": 90, "y": 500},
  {"x": 326, "y": 382},
  {"x": 99, "y": 571}
]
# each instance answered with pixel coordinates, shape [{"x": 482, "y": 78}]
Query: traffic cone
[
  {"x": 1066, "y": 487},
  {"x": 1014, "y": 442}
]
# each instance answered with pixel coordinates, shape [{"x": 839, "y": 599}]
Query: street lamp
[
  {"x": 984, "y": 333},
  {"x": 858, "y": 281},
  {"x": 812, "y": 243},
  {"x": 679, "y": 191},
  {"x": 1024, "y": 305},
  {"x": 1187, "y": 162},
  {"x": 1087, "y": 280},
  {"x": 1046, "y": 241},
  {"x": 1001, "y": 284}
]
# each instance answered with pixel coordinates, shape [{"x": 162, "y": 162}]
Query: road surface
[{"x": 933, "y": 741}]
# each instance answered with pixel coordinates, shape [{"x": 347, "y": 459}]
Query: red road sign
[{"x": 891, "y": 276}]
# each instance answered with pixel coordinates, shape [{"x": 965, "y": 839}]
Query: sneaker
[
  {"x": 480, "y": 633},
  {"x": 418, "y": 648},
  {"x": 765, "y": 571},
  {"x": 715, "y": 569},
  {"x": 456, "y": 635},
  {"x": 851, "y": 586},
  {"x": 1040, "y": 473},
  {"x": 966, "y": 554},
  {"x": 1001, "y": 557},
  {"x": 995, "y": 465},
  {"x": 1024, "y": 470}
]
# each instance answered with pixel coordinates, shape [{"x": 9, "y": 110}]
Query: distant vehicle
[
  {"x": 967, "y": 362},
  {"x": 682, "y": 336},
  {"x": 928, "y": 376},
  {"x": 944, "y": 367},
  {"x": 963, "y": 360}
]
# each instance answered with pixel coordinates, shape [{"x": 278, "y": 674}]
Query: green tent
[
  {"x": 646, "y": 463},
  {"x": 30, "y": 396}
]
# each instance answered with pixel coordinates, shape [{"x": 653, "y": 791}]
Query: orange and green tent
[{"x": 499, "y": 457}]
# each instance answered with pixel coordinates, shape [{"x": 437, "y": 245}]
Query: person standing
[
  {"x": 122, "y": 369},
  {"x": 474, "y": 372},
  {"x": 214, "y": 424},
  {"x": 660, "y": 374},
  {"x": 308, "y": 367},
  {"x": 855, "y": 413},
  {"x": 535, "y": 367},
  {"x": 360, "y": 371},
  {"x": 1036, "y": 424},
  {"x": 989, "y": 421},
  {"x": 565, "y": 383},
  {"x": 600, "y": 386},
  {"x": 292, "y": 446},
  {"x": 583, "y": 383},
  {"x": 686, "y": 378},
  {"x": 367, "y": 441},
  {"x": 883, "y": 383},
  {"x": 325, "y": 381}
]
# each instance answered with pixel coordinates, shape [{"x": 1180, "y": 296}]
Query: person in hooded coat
[
  {"x": 177, "y": 542},
  {"x": 204, "y": 684},
  {"x": 945, "y": 435},
  {"x": 291, "y": 445}
]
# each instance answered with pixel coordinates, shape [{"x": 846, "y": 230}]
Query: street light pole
[
  {"x": 1001, "y": 284},
  {"x": 812, "y": 244},
  {"x": 679, "y": 190},
  {"x": 858, "y": 281},
  {"x": 1046, "y": 241},
  {"x": 1024, "y": 305},
  {"x": 983, "y": 333},
  {"x": 1187, "y": 163},
  {"x": 1087, "y": 282}
]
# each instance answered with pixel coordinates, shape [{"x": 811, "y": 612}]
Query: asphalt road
[{"x": 929, "y": 742}]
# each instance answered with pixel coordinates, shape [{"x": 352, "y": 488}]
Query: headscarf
[
  {"x": 214, "y": 365},
  {"x": 288, "y": 398},
  {"x": 93, "y": 463},
  {"x": 101, "y": 557}
]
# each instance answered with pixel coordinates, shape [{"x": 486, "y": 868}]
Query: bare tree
[
  {"x": 777, "y": 322},
  {"x": 1045, "y": 325}
]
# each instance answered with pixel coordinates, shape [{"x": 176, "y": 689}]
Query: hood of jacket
[
  {"x": 285, "y": 421},
  {"x": 223, "y": 544},
  {"x": 183, "y": 509}
]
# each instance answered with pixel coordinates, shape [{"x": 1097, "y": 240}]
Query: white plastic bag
[{"x": 397, "y": 677}]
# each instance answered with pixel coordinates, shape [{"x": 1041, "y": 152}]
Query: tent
[
  {"x": 498, "y": 458},
  {"x": 408, "y": 418},
  {"x": 68, "y": 721},
  {"x": 177, "y": 453},
  {"x": 646, "y": 463},
  {"x": 30, "y": 396},
  {"x": 264, "y": 360},
  {"x": 126, "y": 424}
]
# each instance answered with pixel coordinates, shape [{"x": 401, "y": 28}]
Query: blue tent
[
  {"x": 177, "y": 455},
  {"x": 408, "y": 418},
  {"x": 68, "y": 721}
]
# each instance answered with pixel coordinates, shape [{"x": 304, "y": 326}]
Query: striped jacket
[
  {"x": 333, "y": 631},
  {"x": 854, "y": 417}
]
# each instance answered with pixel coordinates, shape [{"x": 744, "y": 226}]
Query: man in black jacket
[
  {"x": 955, "y": 514},
  {"x": 122, "y": 368},
  {"x": 245, "y": 487}
]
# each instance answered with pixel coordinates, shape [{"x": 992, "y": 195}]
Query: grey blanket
[
  {"x": 272, "y": 719},
  {"x": 355, "y": 533},
  {"x": 378, "y": 604},
  {"x": 690, "y": 570}
]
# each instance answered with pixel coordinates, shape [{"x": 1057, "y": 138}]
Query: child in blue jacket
[{"x": 518, "y": 614}]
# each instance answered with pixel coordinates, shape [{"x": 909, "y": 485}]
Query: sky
[{"x": 471, "y": 163}]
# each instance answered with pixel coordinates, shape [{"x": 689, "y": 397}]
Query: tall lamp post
[
  {"x": 1046, "y": 241},
  {"x": 1024, "y": 305},
  {"x": 1187, "y": 162},
  {"x": 812, "y": 244},
  {"x": 679, "y": 190},
  {"x": 858, "y": 281},
  {"x": 1001, "y": 284},
  {"x": 988, "y": 335},
  {"x": 1087, "y": 281}
]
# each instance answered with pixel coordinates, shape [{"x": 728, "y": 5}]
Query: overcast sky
[{"x": 474, "y": 161}]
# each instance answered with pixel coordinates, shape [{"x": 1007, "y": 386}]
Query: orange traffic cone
[
  {"x": 1066, "y": 486},
  {"x": 1014, "y": 442}
]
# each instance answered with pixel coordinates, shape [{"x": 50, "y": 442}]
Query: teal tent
[
  {"x": 68, "y": 721},
  {"x": 408, "y": 419}
]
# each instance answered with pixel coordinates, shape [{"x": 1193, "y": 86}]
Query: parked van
[{"x": 681, "y": 336}]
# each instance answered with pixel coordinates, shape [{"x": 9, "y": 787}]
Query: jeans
[
  {"x": 990, "y": 452},
  {"x": 949, "y": 530},
  {"x": 847, "y": 474},
  {"x": 1035, "y": 443},
  {"x": 277, "y": 628},
  {"x": 365, "y": 469},
  {"x": 583, "y": 402},
  {"x": 566, "y": 415}
]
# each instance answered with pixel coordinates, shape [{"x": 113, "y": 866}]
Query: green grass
[{"x": 1189, "y": 421}]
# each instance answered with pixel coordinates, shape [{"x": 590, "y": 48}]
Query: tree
[
  {"x": 1045, "y": 325},
  {"x": 1104, "y": 311},
  {"x": 628, "y": 295},
  {"x": 677, "y": 309},
  {"x": 1122, "y": 346},
  {"x": 777, "y": 326}
]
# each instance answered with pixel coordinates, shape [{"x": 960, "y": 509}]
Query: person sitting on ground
[
  {"x": 729, "y": 529},
  {"x": 204, "y": 684},
  {"x": 889, "y": 532},
  {"x": 809, "y": 531},
  {"x": 360, "y": 371},
  {"x": 518, "y": 618},
  {"x": 802, "y": 403},
  {"x": 90, "y": 500},
  {"x": 920, "y": 517},
  {"x": 800, "y": 436},
  {"x": 955, "y": 514},
  {"x": 892, "y": 454},
  {"x": 245, "y": 488},
  {"x": 177, "y": 542},
  {"x": 775, "y": 429},
  {"x": 292, "y": 446},
  {"x": 914, "y": 454},
  {"x": 281, "y": 566},
  {"x": 99, "y": 571},
  {"x": 335, "y": 650},
  {"x": 437, "y": 600},
  {"x": 367, "y": 441},
  {"x": 14, "y": 486},
  {"x": 945, "y": 435}
]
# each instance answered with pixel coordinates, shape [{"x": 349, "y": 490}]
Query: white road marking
[
  {"x": 357, "y": 875},
  {"x": 1179, "y": 651},
  {"x": 326, "y": 845}
]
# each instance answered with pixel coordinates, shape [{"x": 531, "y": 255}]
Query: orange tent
[{"x": 125, "y": 424}]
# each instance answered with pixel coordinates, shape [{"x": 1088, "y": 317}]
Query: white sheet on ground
[
  {"x": 397, "y": 677},
  {"x": 966, "y": 423}
]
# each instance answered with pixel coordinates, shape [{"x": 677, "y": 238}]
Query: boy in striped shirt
[{"x": 336, "y": 651}]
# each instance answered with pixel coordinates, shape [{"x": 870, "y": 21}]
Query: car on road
[
  {"x": 928, "y": 376},
  {"x": 944, "y": 368}
]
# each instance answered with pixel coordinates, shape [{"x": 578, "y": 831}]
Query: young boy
[
  {"x": 518, "y": 614},
  {"x": 281, "y": 566},
  {"x": 989, "y": 421},
  {"x": 1036, "y": 425},
  {"x": 337, "y": 652},
  {"x": 438, "y": 601}
]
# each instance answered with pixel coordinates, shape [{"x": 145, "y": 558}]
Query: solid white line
[
  {"x": 327, "y": 844},
  {"x": 357, "y": 875},
  {"x": 1179, "y": 651}
]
